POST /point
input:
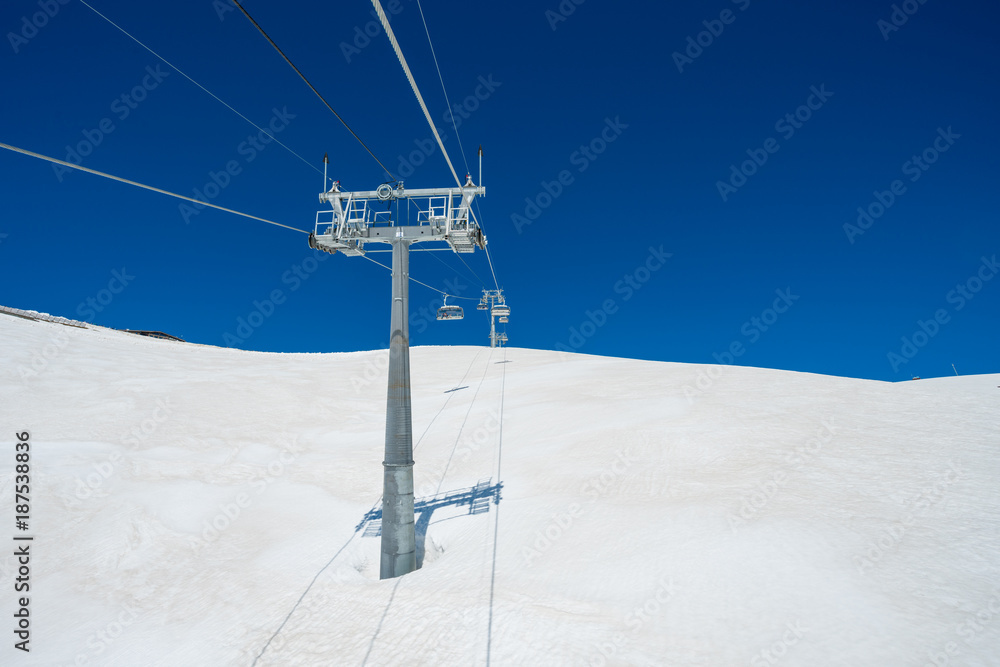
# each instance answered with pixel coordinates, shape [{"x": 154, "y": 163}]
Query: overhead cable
[
  {"x": 140, "y": 185},
  {"x": 454, "y": 124},
  {"x": 413, "y": 84},
  {"x": 313, "y": 88},
  {"x": 176, "y": 69}
]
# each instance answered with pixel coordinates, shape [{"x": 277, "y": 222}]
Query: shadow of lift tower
[
  {"x": 477, "y": 498},
  {"x": 353, "y": 222}
]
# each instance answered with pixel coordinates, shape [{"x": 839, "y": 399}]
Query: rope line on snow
[
  {"x": 355, "y": 533},
  {"x": 462, "y": 427},
  {"x": 217, "y": 98},
  {"x": 417, "y": 443},
  {"x": 378, "y": 628},
  {"x": 302, "y": 597},
  {"x": 313, "y": 88},
  {"x": 496, "y": 525},
  {"x": 385, "y": 612},
  {"x": 140, "y": 185}
]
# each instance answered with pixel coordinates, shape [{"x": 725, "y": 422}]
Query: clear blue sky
[{"x": 741, "y": 246}]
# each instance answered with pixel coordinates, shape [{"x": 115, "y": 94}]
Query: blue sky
[{"x": 739, "y": 138}]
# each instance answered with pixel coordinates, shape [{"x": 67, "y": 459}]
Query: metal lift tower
[
  {"x": 494, "y": 302},
  {"x": 353, "y": 222}
]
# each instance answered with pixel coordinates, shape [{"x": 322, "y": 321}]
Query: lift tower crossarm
[
  {"x": 353, "y": 220},
  {"x": 400, "y": 193}
]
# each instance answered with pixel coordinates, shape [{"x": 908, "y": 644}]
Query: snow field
[{"x": 194, "y": 505}]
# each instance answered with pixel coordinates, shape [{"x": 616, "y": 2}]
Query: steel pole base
[
  {"x": 399, "y": 553},
  {"x": 398, "y": 539}
]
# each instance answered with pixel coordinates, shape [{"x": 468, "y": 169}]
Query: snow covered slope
[{"x": 193, "y": 505}]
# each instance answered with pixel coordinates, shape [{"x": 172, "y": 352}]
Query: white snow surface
[{"x": 193, "y": 505}]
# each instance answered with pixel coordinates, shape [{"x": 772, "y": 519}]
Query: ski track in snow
[{"x": 187, "y": 500}]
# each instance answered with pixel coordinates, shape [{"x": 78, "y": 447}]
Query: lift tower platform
[
  {"x": 494, "y": 302},
  {"x": 356, "y": 219}
]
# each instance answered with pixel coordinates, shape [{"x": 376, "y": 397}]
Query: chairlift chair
[{"x": 446, "y": 312}]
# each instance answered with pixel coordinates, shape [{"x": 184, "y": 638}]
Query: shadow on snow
[{"x": 477, "y": 498}]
